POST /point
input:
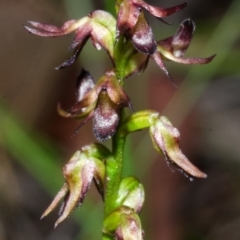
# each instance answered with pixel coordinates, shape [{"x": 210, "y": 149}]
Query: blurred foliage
[{"x": 28, "y": 92}]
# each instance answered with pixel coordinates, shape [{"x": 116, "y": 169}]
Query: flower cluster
[{"x": 107, "y": 97}]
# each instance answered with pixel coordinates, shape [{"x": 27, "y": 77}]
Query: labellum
[{"x": 105, "y": 117}]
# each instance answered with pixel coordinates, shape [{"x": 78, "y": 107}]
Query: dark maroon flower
[
  {"x": 79, "y": 172},
  {"x": 174, "y": 47},
  {"x": 133, "y": 25},
  {"x": 98, "y": 25},
  {"x": 102, "y": 102},
  {"x": 123, "y": 224}
]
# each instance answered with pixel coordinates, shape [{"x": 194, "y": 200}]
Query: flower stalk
[{"x": 130, "y": 43}]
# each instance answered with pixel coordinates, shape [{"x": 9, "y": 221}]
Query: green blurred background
[{"x": 35, "y": 142}]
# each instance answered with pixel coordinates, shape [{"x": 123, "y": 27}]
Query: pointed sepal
[
  {"x": 166, "y": 140},
  {"x": 98, "y": 25}
]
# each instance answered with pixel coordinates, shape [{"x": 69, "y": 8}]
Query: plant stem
[{"x": 114, "y": 168}]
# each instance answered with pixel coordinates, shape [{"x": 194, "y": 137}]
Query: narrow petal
[
  {"x": 47, "y": 30},
  {"x": 192, "y": 60},
  {"x": 81, "y": 36},
  {"x": 158, "y": 59},
  {"x": 157, "y": 11},
  {"x": 56, "y": 200},
  {"x": 79, "y": 174},
  {"x": 48, "y": 27},
  {"x": 105, "y": 118}
]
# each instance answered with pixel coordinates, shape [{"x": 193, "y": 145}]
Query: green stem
[{"x": 114, "y": 168}]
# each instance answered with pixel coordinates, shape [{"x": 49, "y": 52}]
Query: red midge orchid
[
  {"x": 130, "y": 43},
  {"x": 84, "y": 167},
  {"x": 98, "y": 25},
  {"x": 102, "y": 102},
  {"x": 132, "y": 24},
  {"x": 174, "y": 47}
]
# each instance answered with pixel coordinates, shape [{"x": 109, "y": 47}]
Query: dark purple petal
[
  {"x": 192, "y": 60},
  {"x": 183, "y": 37},
  {"x": 157, "y": 11},
  {"x": 105, "y": 118},
  {"x": 142, "y": 37},
  {"x": 127, "y": 18},
  {"x": 158, "y": 59},
  {"x": 47, "y": 30},
  {"x": 135, "y": 63},
  {"x": 81, "y": 35}
]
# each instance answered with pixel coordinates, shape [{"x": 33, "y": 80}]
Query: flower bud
[
  {"x": 142, "y": 36},
  {"x": 78, "y": 173},
  {"x": 84, "y": 85},
  {"x": 123, "y": 224},
  {"x": 133, "y": 25},
  {"x": 166, "y": 140},
  {"x": 183, "y": 37},
  {"x": 131, "y": 194},
  {"x": 105, "y": 117}
]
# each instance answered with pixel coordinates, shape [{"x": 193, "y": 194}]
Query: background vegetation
[{"x": 35, "y": 142}]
